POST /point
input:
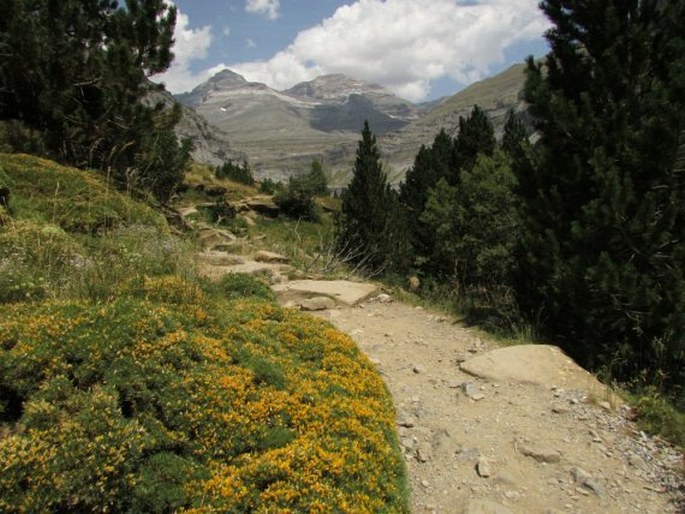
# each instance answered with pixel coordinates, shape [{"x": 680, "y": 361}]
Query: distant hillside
[{"x": 496, "y": 95}]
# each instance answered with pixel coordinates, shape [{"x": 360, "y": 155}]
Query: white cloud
[
  {"x": 250, "y": 43},
  {"x": 402, "y": 44},
  {"x": 190, "y": 45},
  {"x": 271, "y": 8}
]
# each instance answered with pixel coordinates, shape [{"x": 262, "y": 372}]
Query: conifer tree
[
  {"x": 476, "y": 136},
  {"x": 514, "y": 135},
  {"x": 430, "y": 165},
  {"x": 602, "y": 254},
  {"x": 75, "y": 72},
  {"x": 363, "y": 224}
]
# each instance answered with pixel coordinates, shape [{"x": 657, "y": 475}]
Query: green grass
[
  {"x": 308, "y": 245},
  {"x": 658, "y": 415},
  {"x": 74, "y": 200}
]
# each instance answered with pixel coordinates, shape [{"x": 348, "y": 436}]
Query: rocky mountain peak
[
  {"x": 334, "y": 87},
  {"x": 227, "y": 79}
]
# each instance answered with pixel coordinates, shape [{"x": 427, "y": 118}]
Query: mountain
[
  {"x": 281, "y": 132},
  {"x": 210, "y": 144}
]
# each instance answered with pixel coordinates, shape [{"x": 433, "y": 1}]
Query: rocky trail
[{"x": 484, "y": 430}]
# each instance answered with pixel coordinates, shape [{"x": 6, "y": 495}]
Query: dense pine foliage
[
  {"x": 73, "y": 80},
  {"x": 364, "y": 227},
  {"x": 603, "y": 201}
]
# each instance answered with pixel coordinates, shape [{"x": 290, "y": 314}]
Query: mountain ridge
[{"x": 281, "y": 132}]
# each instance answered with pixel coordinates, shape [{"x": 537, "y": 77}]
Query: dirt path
[
  {"x": 485, "y": 446},
  {"x": 489, "y": 446}
]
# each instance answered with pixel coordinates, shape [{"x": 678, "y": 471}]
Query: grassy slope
[
  {"x": 502, "y": 89},
  {"x": 127, "y": 383}
]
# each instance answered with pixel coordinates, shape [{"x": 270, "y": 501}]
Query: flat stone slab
[
  {"x": 217, "y": 258},
  {"x": 343, "y": 292},
  {"x": 248, "y": 267},
  {"x": 544, "y": 365}
]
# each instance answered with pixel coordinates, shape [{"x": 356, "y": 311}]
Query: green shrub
[
  {"x": 235, "y": 172},
  {"x": 36, "y": 261},
  {"x": 141, "y": 406},
  {"x": 236, "y": 286},
  {"x": 656, "y": 415},
  {"x": 268, "y": 186},
  {"x": 296, "y": 200}
]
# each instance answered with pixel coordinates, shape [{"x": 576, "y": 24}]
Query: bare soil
[{"x": 478, "y": 445}]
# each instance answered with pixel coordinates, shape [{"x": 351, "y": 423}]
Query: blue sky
[{"x": 419, "y": 49}]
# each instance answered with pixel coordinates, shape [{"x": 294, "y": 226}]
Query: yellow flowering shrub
[{"x": 144, "y": 405}]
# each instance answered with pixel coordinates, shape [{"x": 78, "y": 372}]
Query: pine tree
[
  {"x": 476, "y": 136},
  {"x": 514, "y": 135},
  {"x": 430, "y": 165},
  {"x": 75, "y": 72},
  {"x": 604, "y": 203},
  {"x": 363, "y": 222},
  {"x": 316, "y": 178}
]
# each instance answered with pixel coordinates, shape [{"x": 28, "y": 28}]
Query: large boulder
[{"x": 543, "y": 365}]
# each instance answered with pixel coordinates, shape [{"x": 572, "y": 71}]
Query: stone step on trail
[{"x": 343, "y": 292}]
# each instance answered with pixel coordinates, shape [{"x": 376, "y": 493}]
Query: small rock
[
  {"x": 540, "y": 454},
  {"x": 584, "y": 479},
  {"x": 485, "y": 507},
  {"x": 505, "y": 477},
  {"x": 636, "y": 461},
  {"x": 470, "y": 454},
  {"x": 580, "y": 475},
  {"x": 594, "y": 486},
  {"x": 270, "y": 257},
  {"x": 418, "y": 369},
  {"x": 424, "y": 452},
  {"x": 381, "y": 298},
  {"x": 560, "y": 409},
  {"x": 512, "y": 495},
  {"x": 408, "y": 443},
  {"x": 440, "y": 439},
  {"x": 406, "y": 421},
  {"x": 606, "y": 406},
  {"x": 319, "y": 303},
  {"x": 484, "y": 467},
  {"x": 469, "y": 389}
]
